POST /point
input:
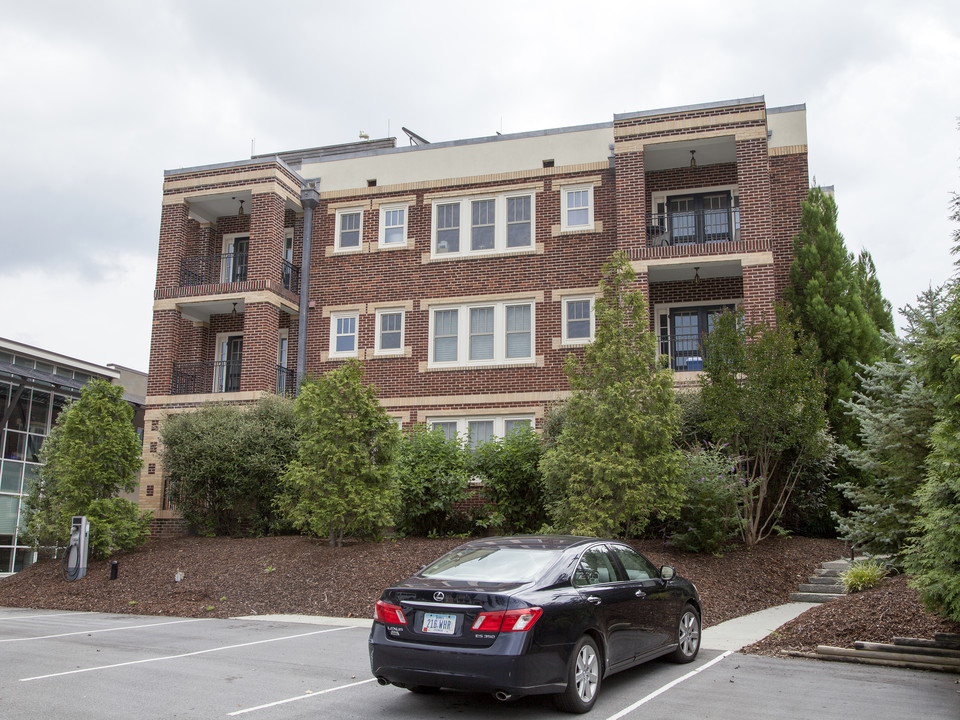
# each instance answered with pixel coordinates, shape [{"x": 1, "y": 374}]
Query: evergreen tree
[
  {"x": 877, "y": 306},
  {"x": 614, "y": 464},
  {"x": 825, "y": 299},
  {"x": 92, "y": 453},
  {"x": 343, "y": 479},
  {"x": 895, "y": 413}
]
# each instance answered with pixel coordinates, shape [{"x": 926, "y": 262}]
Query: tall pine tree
[{"x": 825, "y": 299}]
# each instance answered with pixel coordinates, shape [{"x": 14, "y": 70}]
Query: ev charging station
[{"x": 75, "y": 559}]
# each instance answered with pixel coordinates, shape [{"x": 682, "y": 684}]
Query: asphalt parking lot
[{"x": 88, "y": 665}]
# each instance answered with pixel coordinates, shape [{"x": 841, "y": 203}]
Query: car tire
[
  {"x": 688, "y": 636},
  {"x": 584, "y": 673}
]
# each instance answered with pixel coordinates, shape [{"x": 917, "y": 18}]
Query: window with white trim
[
  {"x": 488, "y": 224},
  {"x": 576, "y": 209},
  {"x": 482, "y": 333},
  {"x": 349, "y": 226},
  {"x": 389, "y": 331},
  {"x": 393, "y": 224},
  {"x": 578, "y": 319},
  {"x": 343, "y": 334},
  {"x": 480, "y": 429}
]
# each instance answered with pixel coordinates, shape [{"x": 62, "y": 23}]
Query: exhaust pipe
[
  {"x": 382, "y": 681},
  {"x": 502, "y": 695}
]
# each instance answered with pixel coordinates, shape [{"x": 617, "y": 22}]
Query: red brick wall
[{"x": 789, "y": 184}]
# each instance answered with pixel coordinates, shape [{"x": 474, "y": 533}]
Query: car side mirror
[{"x": 667, "y": 573}]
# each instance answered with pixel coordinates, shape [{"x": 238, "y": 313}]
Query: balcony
[
  {"x": 195, "y": 378},
  {"x": 688, "y": 227},
  {"x": 229, "y": 268},
  {"x": 286, "y": 381}
]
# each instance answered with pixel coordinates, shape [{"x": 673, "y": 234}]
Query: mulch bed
[{"x": 226, "y": 577}]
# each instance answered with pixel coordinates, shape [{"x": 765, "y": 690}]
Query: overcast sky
[{"x": 98, "y": 98}]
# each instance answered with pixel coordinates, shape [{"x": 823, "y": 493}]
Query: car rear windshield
[{"x": 486, "y": 564}]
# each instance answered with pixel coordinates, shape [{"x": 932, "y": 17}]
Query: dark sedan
[{"x": 531, "y": 615}]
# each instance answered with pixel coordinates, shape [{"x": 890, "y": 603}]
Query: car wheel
[
  {"x": 688, "y": 636},
  {"x": 583, "y": 678}
]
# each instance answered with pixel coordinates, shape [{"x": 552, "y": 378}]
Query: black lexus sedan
[{"x": 531, "y": 615}]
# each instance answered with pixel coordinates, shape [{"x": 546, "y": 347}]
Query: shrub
[
  {"x": 864, "y": 575},
  {"x": 709, "y": 519},
  {"x": 509, "y": 468},
  {"x": 432, "y": 478}
]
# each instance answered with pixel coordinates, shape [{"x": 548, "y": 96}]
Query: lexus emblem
[{"x": 438, "y": 596}]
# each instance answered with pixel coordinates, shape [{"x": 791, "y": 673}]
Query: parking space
[{"x": 87, "y": 665}]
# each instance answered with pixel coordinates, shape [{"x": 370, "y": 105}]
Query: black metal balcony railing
[
  {"x": 291, "y": 276},
  {"x": 686, "y": 351},
  {"x": 693, "y": 226},
  {"x": 192, "y": 378},
  {"x": 213, "y": 269},
  {"x": 286, "y": 381}
]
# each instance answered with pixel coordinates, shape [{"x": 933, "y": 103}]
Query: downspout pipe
[{"x": 309, "y": 198}]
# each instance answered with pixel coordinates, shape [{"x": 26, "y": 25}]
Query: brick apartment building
[{"x": 462, "y": 273}]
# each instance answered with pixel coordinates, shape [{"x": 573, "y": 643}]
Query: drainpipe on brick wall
[{"x": 309, "y": 198}]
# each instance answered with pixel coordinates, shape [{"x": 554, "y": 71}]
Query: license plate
[{"x": 438, "y": 624}]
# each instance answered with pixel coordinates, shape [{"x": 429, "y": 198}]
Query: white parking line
[
  {"x": 181, "y": 655},
  {"x": 655, "y": 693},
  {"x": 300, "y": 697},
  {"x": 91, "y": 632},
  {"x": 34, "y": 617}
]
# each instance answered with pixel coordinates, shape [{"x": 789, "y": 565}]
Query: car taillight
[
  {"x": 389, "y": 614},
  {"x": 521, "y": 620},
  {"x": 510, "y": 621}
]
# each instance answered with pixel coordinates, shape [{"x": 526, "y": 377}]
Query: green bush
[
  {"x": 116, "y": 524},
  {"x": 432, "y": 476},
  {"x": 709, "y": 520},
  {"x": 512, "y": 484},
  {"x": 864, "y": 575}
]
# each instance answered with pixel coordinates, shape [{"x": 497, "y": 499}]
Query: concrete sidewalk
[
  {"x": 730, "y": 635},
  {"x": 748, "y": 629}
]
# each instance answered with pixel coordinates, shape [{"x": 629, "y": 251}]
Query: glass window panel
[
  {"x": 448, "y": 228},
  {"x": 34, "y": 442},
  {"x": 18, "y": 417},
  {"x": 518, "y": 222},
  {"x": 45, "y": 367},
  {"x": 637, "y": 567},
  {"x": 82, "y": 377},
  {"x": 445, "y": 335},
  {"x": 481, "y": 333},
  {"x": 480, "y": 431},
  {"x": 390, "y": 331},
  {"x": 29, "y": 477},
  {"x": 449, "y": 429},
  {"x": 393, "y": 225},
  {"x": 15, "y": 445},
  {"x": 6, "y": 357},
  {"x": 578, "y": 207},
  {"x": 350, "y": 230},
  {"x": 59, "y": 403},
  {"x": 23, "y": 361},
  {"x": 518, "y": 331},
  {"x": 578, "y": 319},
  {"x": 511, "y": 425},
  {"x": 8, "y": 514},
  {"x": 346, "y": 334},
  {"x": 38, "y": 412},
  {"x": 22, "y": 558},
  {"x": 6, "y": 555},
  {"x": 10, "y": 476},
  {"x": 482, "y": 229}
]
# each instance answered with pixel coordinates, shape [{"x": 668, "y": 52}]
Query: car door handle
[
  {"x": 593, "y": 599},
  {"x": 640, "y": 594}
]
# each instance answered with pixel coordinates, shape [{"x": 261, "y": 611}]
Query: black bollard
[{"x": 114, "y": 570}]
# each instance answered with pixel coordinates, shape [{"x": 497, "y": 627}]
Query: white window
[
  {"x": 389, "y": 332},
  {"x": 576, "y": 207},
  {"x": 480, "y": 429},
  {"x": 233, "y": 263},
  {"x": 343, "y": 334},
  {"x": 393, "y": 224},
  {"x": 482, "y": 333},
  {"x": 578, "y": 320},
  {"x": 477, "y": 225},
  {"x": 228, "y": 362},
  {"x": 283, "y": 342},
  {"x": 349, "y": 223}
]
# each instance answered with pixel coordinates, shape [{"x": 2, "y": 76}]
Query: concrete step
[
  {"x": 821, "y": 588},
  {"x": 820, "y": 572},
  {"x": 839, "y": 565},
  {"x": 812, "y": 597},
  {"x": 823, "y": 579}
]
